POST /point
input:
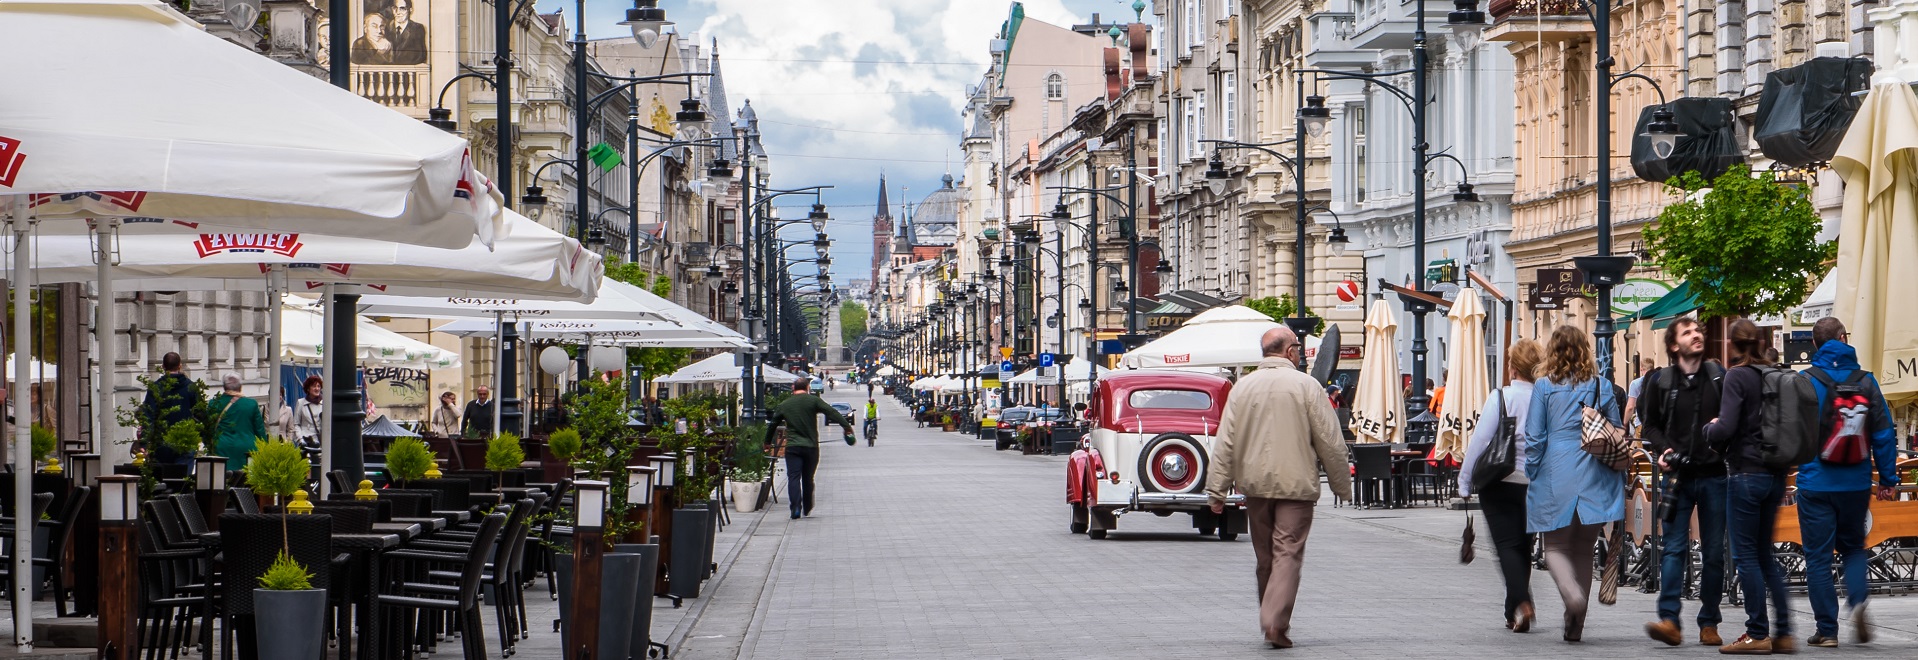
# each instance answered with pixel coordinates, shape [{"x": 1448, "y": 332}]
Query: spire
[{"x": 885, "y": 210}]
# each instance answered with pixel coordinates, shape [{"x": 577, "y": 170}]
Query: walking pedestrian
[
  {"x": 170, "y": 400},
  {"x": 1276, "y": 433},
  {"x": 1673, "y": 405},
  {"x": 446, "y": 418},
  {"x": 283, "y": 420},
  {"x": 477, "y": 420},
  {"x": 1646, "y": 367},
  {"x": 309, "y": 413},
  {"x": 1572, "y": 495},
  {"x": 240, "y": 426},
  {"x": 1503, "y": 501},
  {"x": 1753, "y": 494},
  {"x": 800, "y": 414},
  {"x": 1834, "y": 492}
]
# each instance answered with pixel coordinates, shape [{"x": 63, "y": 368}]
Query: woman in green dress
[{"x": 240, "y": 424}]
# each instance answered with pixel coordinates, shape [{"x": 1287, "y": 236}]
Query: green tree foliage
[
  {"x": 607, "y": 446},
  {"x": 504, "y": 453},
  {"x": 277, "y": 468},
  {"x": 407, "y": 459},
  {"x": 1279, "y": 308},
  {"x": 852, "y": 322},
  {"x": 750, "y": 463},
  {"x": 650, "y": 363},
  {"x": 44, "y": 442},
  {"x": 564, "y": 444},
  {"x": 286, "y": 575},
  {"x": 1747, "y": 245}
]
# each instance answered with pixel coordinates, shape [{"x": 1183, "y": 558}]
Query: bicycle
[{"x": 872, "y": 430}]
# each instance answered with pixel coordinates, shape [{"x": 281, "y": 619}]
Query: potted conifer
[
  {"x": 289, "y": 614},
  {"x": 504, "y": 453},
  {"x": 407, "y": 460}
]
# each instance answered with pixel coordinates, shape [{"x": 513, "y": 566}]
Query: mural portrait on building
[{"x": 390, "y": 33}]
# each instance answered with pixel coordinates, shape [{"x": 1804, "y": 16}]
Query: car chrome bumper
[{"x": 1179, "y": 501}]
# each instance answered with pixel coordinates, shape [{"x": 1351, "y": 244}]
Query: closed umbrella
[
  {"x": 1878, "y": 236},
  {"x": 1466, "y": 388},
  {"x": 1378, "y": 408}
]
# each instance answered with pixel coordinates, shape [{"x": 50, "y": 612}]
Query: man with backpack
[
  {"x": 1835, "y": 488},
  {"x": 1673, "y": 405}
]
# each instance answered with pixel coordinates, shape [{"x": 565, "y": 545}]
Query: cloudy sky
[{"x": 846, "y": 89}]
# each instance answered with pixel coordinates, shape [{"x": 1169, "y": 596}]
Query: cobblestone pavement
[{"x": 933, "y": 545}]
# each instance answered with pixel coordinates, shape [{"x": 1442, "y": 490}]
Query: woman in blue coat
[{"x": 1572, "y": 495}]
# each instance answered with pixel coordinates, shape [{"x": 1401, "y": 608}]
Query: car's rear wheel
[
  {"x": 1173, "y": 463},
  {"x": 1079, "y": 518}
]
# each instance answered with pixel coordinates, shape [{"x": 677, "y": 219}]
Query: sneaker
[
  {"x": 1860, "y": 624},
  {"x": 1665, "y": 630},
  {"x": 1783, "y": 645},
  {"x": 1747, "y": 646},
  {"x": 795, "y": 515},
  {"x": 1708, "y": 636},
  {"x": 1822, "y": 641}
]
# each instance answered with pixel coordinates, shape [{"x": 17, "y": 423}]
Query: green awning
[
  {"x": 1672, "y": 305},
  {"x": 1169, "y": 307}
]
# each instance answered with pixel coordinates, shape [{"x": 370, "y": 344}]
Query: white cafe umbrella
[
  {"x": 614, "y": 302},
  {"x": 1378, "y": 408},
  {"x": 722, "y": 368},
  {"x": 637, "y": 334},
  {"x": 1076, "y": 371},
  {"x": 131, "y": 109},
  {"x": 1469, "y": 383},
  {"x": 1877, "y": 237},
  {"x": 1223, "y": 337},
  {"x": 303, "y": 339}
]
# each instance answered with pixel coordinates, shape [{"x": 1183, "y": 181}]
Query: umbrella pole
[
  {"x": 275, "y": 323},
  {"x": 327, "y": 374},
  {"x": 22, "y": 433},
  {"x": 499, "y": 367},
  {"x": 111, "y": 453}
]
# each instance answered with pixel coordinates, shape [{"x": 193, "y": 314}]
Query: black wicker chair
[
  {"x": 251, "y": 542},
  {"x": 410, "y": 600},
  {"x": 61, "y": 536}
]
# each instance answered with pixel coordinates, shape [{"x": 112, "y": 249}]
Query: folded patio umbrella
[
  {"x": 1878, "y": 237},
  {"x": 1378, "y": 408},
  {"x": 1467, "y": 388}
]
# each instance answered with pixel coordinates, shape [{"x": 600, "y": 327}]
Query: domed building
[{"x": 932, "y": 226}]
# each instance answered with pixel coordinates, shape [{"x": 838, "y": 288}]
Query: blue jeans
[
  {"x": 1828, "y": 521},
  {"x": 1707, "y": 495},
  {"x": 1752, "y": 504}
]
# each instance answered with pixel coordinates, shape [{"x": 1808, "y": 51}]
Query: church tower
[{"x": 881, "y": 233}]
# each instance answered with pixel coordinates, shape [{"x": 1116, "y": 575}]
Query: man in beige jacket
[{"x": 1277, "y": 430}]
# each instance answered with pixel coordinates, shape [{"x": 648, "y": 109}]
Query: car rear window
[
  {"x": 1170, "y": 400},
  {"x": 1014, "y": 416}
]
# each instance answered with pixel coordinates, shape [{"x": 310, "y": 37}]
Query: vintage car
[{"x": 1148, "y": 449}]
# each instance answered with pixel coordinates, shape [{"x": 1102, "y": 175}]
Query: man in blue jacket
[{"x": 1833, "y": 500}]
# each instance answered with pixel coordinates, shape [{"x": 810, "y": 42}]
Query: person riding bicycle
[{"x": 872, "y": 420}]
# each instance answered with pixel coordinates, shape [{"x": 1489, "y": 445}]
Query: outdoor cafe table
[{"x": 365, "y": 551}]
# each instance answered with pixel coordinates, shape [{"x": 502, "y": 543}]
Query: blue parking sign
[{"x": 1045, "y": 359}]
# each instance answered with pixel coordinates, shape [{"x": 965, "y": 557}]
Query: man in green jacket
[{"x": 800, "y": 413}]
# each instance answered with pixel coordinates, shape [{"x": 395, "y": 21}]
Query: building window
[
  {"x": 1165, "y": 142},
  {"x": 1357, "y": 113},
  {"x": 1229, "y": 106},
  {"x": 1198, "y": 131},
  {"x": 1191, "y": 135},
  {"x": 1055, "y": 87}
]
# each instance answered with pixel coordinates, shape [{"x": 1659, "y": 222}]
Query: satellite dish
[
  {"x": 553, "y": 360},
  {"x": 1328, "y": 357},
  {"x": 608, "y": 358}
]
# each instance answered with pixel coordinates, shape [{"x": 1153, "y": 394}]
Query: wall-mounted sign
[
  {"x": 1563, "y": 283},
  {"x": 1349, "y": 291},
  {"x": 1351, "y": 352},
  {"x": 1633, "y": 295},
  {"x": 1537, "y": 298}
]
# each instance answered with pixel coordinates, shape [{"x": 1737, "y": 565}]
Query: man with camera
[{"x": 1674, "y": 404}]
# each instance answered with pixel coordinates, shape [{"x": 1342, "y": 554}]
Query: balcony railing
[
  {"x": 1504, "y": 9},
  {"x": 408, "y": 89}
]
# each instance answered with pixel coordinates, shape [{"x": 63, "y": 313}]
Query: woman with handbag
[
  {"x": 1573, "y": 454},
  {"x": 1494, "y": 470}
]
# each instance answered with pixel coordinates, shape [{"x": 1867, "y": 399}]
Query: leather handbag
[
  {"x": 1465, "y": 551},
  {"x": 1603, "y": 439},
  {"x": 1614, "y": 566},
  {"x": 1501, "y": 457}
]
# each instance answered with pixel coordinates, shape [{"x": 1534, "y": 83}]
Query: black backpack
[{"x": 1788, "y": 422}]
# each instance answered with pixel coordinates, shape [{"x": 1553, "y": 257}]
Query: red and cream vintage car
[{"x": 1148, "y": 450}]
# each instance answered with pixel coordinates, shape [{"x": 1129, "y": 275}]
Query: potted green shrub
[
  {"x": 561, "y": 447},
  {"x": 289, "y": 614},
  {"x": 750, "y": 467},
  {"x": 504, "y": 453},
  {"x": 407, "y": 460},
  {"x": 44, "y": 442}
]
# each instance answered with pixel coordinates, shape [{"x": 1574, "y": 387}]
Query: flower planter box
[
  {"x": 619, "y": 589},
  {"x": 290, "y": 624}
]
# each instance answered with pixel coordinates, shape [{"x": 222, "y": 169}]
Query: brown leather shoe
[
  {"x": 1783, "y": 645},
  {"x": 1860, "y": 625},
  {"x": 1747, "y": 646},
  {"x": 1524, "y": 621},
  {"x": 1708, "y": 636},
  {"x": 1283, "y": 642},
  {"x": 1665, "y": 630}
]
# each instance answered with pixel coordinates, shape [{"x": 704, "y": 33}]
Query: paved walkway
[{"x": 932, "y": 545}]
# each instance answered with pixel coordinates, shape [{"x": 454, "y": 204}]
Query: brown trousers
[{"x": 1279, "y": 528}]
